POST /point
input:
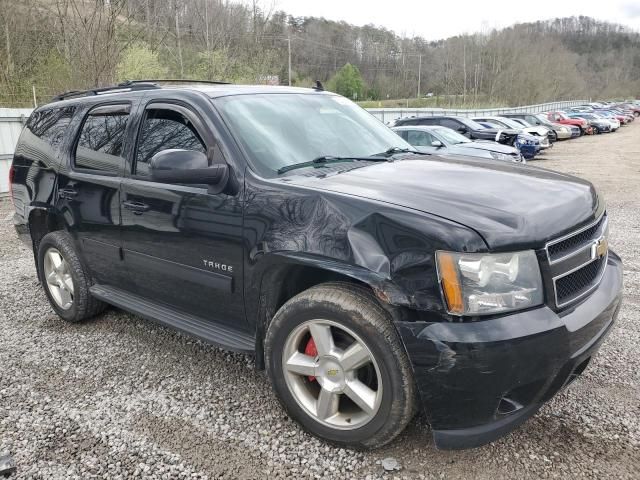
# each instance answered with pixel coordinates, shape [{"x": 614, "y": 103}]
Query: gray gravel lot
[{"x": 119, "y": 397}]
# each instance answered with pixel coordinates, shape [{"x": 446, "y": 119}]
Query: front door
[
  {"x": 421, "y": 140},
  {"x": 182, "y": 245}
]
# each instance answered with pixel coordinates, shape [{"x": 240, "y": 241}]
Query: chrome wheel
[
  {"x": 58, "y": 277},
  {"x": 332, "y": 374}
]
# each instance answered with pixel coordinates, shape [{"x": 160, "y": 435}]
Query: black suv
[
  {"x": 466, "y": 126},
  {"x": 369, "y": 280}
]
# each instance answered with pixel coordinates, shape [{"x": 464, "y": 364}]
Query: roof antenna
[{"x": 318, "y": 86}]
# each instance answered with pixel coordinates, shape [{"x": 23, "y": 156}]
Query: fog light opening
[{"x": 508, "y": 406}]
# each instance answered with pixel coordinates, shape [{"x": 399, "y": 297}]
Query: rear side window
[
  {"x": 51, "y": 124},
  {"x": 101, "y": 141}
]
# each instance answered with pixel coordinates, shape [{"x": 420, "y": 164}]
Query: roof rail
[
  {"x": 128, "y": 86},
  {"x": 174, "y": 80},
  {"x": 121, "y": 87}
]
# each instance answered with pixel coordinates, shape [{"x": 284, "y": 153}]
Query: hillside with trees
[{"x": 58, "y": 45}]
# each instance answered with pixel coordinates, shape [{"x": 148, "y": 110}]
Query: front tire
[
  {"x": 338, "y": 366},
  {"x": 64, "y": 278}
]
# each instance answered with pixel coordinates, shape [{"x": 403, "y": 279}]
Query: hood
[
  {"x": 542, "y": 131},
  {"x": 512, "y": 206},
  {"x": 489, "y": 147}
]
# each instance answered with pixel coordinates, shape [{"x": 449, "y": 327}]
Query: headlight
[
  {"x": 499, "y": 156},
  {"x": 483, "y": 284}
]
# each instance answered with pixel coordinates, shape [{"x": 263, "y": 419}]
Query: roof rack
[
  {"x": 121, "y": 87},
  {"x": 128, "y": 86},
  {"x": 174, "y": 80}
]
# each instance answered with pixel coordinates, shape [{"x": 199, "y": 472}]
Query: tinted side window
[
  {"x": 453, "y": 124},
  {"x": 51, "y": 124},
  {"x": 162, "y": 130},
  {"x": 101, "y": 139}
]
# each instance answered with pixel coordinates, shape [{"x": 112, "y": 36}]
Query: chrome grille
[
  {"x": 577, "y": 261},
  {"x": 578, "y": 282},
  {"x": 558, "y": 248}
]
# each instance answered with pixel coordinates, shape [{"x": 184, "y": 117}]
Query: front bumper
[{"x": 479, "y": 380}]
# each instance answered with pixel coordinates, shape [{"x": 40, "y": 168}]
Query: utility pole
[
  {"x": 206, "y": 23},
  {"x": 419, "y": 72},
  {"x": 289, "y": 47},
  {"x": 175, "y": 12}
]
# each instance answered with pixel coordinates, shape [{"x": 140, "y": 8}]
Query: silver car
[{"x": 442, "y": 140}]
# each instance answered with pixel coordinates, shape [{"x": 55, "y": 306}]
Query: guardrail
[{"x": 388, "y": 115}]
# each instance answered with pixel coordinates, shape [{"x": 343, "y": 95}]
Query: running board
[{"x": 214, "y": 333}]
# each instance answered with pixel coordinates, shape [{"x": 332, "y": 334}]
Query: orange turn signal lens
[{"x": 450, "y": 281}]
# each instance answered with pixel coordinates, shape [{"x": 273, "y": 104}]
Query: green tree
[
  {"x": 348, "y": 82},
  {"x": 138, "y": 61}
]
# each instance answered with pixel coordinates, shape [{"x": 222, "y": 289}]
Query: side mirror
[
  {"x": 462, "y": 130},
  {"x": 188, "y": 167},
  {"x": 437, "y": 144}
]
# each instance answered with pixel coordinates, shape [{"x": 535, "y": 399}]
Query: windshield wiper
[
  {"x": 327, "y": 159},
  {"x": 396, "y": 150}
]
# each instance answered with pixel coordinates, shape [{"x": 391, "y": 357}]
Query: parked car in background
[
  {"x": 627, "y": 114},
  {"x": 463, "y": 125},
  {"x": 557, "y": 131},
  {"x": 563, "y": 118},
  {"x": 443, "y": 140},
  {"x": 623, "y": 120},
  {"x": 635, "y": 109},
  {"x": 528, "y": 145},
  {"x": 599, "y": 125},
  {"x": 537, "y": 131}
]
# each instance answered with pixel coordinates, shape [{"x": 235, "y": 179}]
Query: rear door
[
  {"x": 88, "y": 193},
  {"x": 182, "y": 245}
]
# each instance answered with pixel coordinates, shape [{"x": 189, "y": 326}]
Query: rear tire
[
  {"x": 65, "y": 280},
  {"x": 362, "y": 404}
]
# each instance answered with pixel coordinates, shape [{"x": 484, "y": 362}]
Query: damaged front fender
[{"x": 386, "y": 246}]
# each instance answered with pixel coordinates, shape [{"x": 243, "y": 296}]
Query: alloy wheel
[
  {"x": 57, "y": 274},
  {"x": 332, "y": 374}
]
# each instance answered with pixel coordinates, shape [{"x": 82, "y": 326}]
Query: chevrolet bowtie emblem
[{"x": 599, "y": 248}]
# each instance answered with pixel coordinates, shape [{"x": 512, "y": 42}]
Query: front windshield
[
  {"x": 451, "y": 136},
  {"x": 522, "y": 122},
  {"x": 543, "y": 119},
  {"x": 278, "y": 130},
  {"x": 493, "y": 124},
  {"x": 510, "y": 123},
  {"x": 472, "y": 124}
]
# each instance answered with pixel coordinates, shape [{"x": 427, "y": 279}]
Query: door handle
[
  {"x": 136, "y": 207},
  {"x": 67, "y": 193}
]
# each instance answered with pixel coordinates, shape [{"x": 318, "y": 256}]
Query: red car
[{"x": 561, "y": 117}]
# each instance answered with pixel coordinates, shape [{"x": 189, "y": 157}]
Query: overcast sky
[{"x": 436, "y": 19}]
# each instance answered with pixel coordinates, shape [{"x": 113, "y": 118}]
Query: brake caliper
[{"x": 312, "y": 351}]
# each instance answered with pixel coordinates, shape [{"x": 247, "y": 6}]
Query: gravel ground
[{"x": 120, "y": 397}]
